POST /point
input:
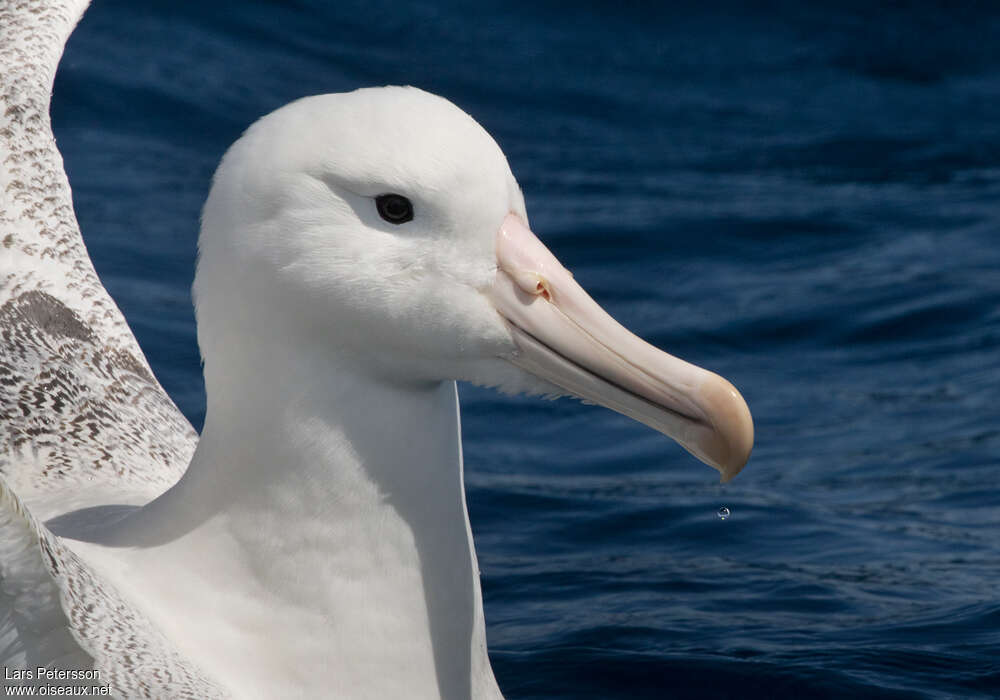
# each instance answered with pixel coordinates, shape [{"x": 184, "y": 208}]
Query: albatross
[{"x": 358, "y": 254}]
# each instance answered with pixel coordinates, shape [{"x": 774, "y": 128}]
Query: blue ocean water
[{"x": 803, "y": 197}]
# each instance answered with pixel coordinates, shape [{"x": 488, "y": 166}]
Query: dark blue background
[{"x": 804, "y": 197}]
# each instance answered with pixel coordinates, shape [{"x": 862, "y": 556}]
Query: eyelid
[
  {"x": 357, "y": 191},
  {"x": 374, "y": 189}
]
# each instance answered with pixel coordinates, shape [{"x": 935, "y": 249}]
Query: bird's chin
[
  {"x": 500, "y": 373},
  {"x": 565, "y": 339}
]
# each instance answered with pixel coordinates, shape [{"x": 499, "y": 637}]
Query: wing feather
[{"x": 83, "y": 422}]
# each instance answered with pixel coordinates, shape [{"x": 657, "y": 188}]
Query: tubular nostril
[{"x": 542, "y": 289}]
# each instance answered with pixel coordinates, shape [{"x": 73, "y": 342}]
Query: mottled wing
[
  {"x": 57, "y": 613},
  {"x": 83, "y": 422}
]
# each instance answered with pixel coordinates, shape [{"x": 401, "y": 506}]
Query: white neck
[{"x": 319, "y": 541}]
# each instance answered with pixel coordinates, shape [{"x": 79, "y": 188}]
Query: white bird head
[{"x": 384, "y": 226}]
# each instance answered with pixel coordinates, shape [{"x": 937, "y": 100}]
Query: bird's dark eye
[{"x": 394, "y": 208}]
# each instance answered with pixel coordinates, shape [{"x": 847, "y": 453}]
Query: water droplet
[{"x": 723, "y": 513}]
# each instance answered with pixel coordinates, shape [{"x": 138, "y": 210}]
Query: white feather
[{"x": 318, "y": 543}]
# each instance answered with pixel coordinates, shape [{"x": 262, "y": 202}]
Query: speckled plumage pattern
[
  {"x": 57, "y": 613},
  {"x": 77, "y": 398},
  {"x": 80, "y": 411},
  {"x": 77, "y": 413}
]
